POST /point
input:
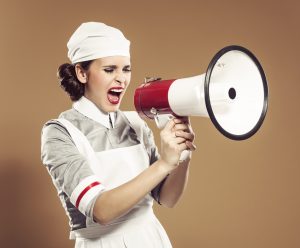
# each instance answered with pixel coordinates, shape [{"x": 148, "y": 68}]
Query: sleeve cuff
[{"x": 85, "y": 192}]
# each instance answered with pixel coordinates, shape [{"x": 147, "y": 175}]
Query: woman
[{"x": 103, "y": 161}]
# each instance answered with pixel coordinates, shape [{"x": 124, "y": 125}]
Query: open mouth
[{"x": 114, "y": 94}]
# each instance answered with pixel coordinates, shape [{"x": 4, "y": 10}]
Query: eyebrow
[{"x": 114, "y": 66}]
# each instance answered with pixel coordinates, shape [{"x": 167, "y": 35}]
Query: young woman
[{"x": 104, "y": 162}]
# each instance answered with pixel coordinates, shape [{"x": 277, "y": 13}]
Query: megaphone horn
[{"x": 233, "y": 93}]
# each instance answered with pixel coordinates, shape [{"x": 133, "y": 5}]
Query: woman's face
[{"x": 107, "y": 81}]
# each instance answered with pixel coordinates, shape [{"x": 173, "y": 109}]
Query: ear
[{"x": 81, "y": 74}]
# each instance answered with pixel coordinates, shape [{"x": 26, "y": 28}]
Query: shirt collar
[{"x": 90, "y": 110}]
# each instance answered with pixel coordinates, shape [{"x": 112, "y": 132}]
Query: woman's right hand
[{"x": 173, "y": 145}]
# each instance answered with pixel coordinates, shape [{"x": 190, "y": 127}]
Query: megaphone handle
[
  {"x": 184, "y": 155},
  {"x": 161, "y": 121}
]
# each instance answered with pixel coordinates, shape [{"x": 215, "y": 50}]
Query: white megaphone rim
[{"x": 207, "y": 98}]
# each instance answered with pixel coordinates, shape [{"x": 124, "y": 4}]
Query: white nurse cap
[{"x": 93, "y": 40}]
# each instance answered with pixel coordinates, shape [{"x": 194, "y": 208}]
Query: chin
[{"x": 113, "y": 108}]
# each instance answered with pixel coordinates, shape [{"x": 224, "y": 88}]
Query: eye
[
  {"x": 109, "y": 70},
  {"x": 127, "y": 69}
]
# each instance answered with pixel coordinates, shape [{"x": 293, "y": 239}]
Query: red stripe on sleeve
[{"x": 84, "y": 191}]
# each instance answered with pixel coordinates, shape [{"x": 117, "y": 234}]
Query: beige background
[{"x": 240, "y": 194}]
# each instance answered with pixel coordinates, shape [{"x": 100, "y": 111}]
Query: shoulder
[
  {"x": 55, "y": 125},
  {"x": 54, "y": 128}
]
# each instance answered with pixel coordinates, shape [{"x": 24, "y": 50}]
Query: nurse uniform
[{"x": 88, "y": 152}]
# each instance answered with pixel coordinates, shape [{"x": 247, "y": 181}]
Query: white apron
[{"x": 139, "y": 228}]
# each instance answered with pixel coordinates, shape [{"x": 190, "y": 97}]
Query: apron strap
[
  {"x": 136, "y": 122},
  {"x": 78, "y": 137}
]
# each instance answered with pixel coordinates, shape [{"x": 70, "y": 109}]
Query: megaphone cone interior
[{"x": 239, "y": 111}]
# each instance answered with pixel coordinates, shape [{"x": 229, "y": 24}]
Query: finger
[
  {"x": 188, "y": 120},
  {"x": 185, "y": 119},
  {"x": 190, "y": 145},
  {"x": 180, "y": 140},
  {"x": 170, "y": 125},
  {"x": 186, "y": 135},
  {"x": 178, "y": 127},
  {"x": 182, "y": 147},
  {"x": 178, "y": 120},
  {"x": 182, "y": 119}
]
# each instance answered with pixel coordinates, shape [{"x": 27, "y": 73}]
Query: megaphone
[{"x": 233, "y": 93}]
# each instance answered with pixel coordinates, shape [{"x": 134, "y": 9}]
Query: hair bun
[{"x": 69, "y": 82}]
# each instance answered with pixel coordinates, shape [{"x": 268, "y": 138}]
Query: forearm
[
  {"x": 116, "y": 202},
  {"x": 175, "y": 185}
]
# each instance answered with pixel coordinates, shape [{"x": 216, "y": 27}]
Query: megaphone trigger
[{"x": 162, "y": 119}]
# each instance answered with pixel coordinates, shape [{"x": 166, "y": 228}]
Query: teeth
[{"x": 117, "y": 90}]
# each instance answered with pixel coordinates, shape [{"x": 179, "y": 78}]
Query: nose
[{"x": 120, "y": 78}]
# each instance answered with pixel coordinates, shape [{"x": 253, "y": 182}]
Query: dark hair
[{"x": 69, "y": 81}]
